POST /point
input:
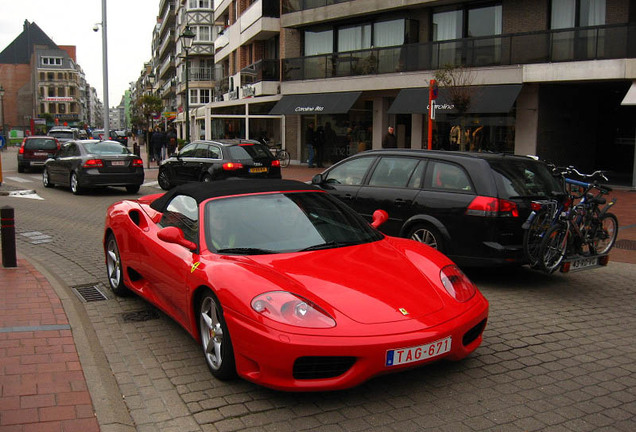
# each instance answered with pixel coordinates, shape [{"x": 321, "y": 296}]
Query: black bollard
[{"x": 8, "y": 237}]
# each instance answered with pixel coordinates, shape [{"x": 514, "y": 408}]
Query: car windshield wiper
[
  {"x": 247, "y": 251},
  {"x": 329, "y": 245}
]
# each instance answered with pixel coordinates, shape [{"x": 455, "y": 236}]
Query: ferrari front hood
[{"x": 372, "y": 283}]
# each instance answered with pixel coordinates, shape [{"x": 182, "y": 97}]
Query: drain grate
[
  {"x": 625, "y": 244},
  {"x": 89, "y": 293},
  {"x": 140, "y": 316}
]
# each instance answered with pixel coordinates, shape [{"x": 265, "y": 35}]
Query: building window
[
  {"x": 564, "y": 13},
  {"x": 389, "y": 33},
  {"x": 62, "y": 108},
  {"x": 318, "y": 42},
  {"x": 194, "y": 96},
  {"x": 199, "y": 4},
  {"x": 204, "y": 96},
  {"x": 203, "y": 33},
  {"x": 354, "y": 38},
  {"x": 52, "y": 61}
]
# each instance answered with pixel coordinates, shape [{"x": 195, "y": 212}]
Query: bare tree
[{"x": 458, "y": 82}]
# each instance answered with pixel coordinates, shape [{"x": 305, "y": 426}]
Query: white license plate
[
  {"x": 118, "y": 163},
  {"x": 400, "y": 356},
  {"x": 258, "y": 170},
  {"x": 581, "y": 263},
  {"x": 40, "y": 154}
]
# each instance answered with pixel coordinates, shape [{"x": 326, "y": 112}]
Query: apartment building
[
  {"x": 553, "y": 78},
  {"x": 41, "y": 80}
]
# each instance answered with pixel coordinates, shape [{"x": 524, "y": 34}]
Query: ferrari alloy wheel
[
  {"x": 45, "y": 178},
  {"x": 114, "y": 267},
  {"x": 428, "y": 235},
  {"x": 75, "y": 188},
  {"x": 207, "y": 178},
  {"x": 164, "y": 180},
  {"x": 215, "y": 338}
]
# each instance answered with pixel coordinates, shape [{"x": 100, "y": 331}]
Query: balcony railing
[
  {"x": 300, "y": 5},
  {"x": 198, "y": 74},
  {"x": 588, "y": 43},
  {"x": 262, "y": 70}
]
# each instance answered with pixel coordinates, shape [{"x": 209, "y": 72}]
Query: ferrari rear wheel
[
  {"x": 114, "y": 267},
  {"x": 215, "y": 338}
]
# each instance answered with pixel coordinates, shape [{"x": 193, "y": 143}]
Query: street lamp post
[
  {"x": 187, "y": 39},
  {"x": 106, "y": 113},
  {"x": 4, "y": 134}
]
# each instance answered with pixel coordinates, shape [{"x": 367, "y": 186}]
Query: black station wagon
[
  {"x": 469, "y": 206},
  {"x": 206, "y": 161}
]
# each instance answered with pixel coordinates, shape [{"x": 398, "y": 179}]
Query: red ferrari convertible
[{"x": 287, "y": 287}]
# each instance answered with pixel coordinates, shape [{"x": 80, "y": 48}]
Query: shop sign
[
  {"x": 309, "y": 109},
  {"x": 58, "y": 99}
]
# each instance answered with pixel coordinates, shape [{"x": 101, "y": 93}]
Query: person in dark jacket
[
  {"x": 310, "y": 142},
  {"x": 157, "y": 143},
  {"x": 389, "y": 140}
]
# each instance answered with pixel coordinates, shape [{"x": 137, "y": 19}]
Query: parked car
[
  {"x": 97, "y": 134},
  {"x": 206, "y": 161},
  {"x": 87, "y": 164},
  {"x": 469, "y": 206},
  {"x": 63, "y": 134},
  {"x": 287, "y": 287},
  {"x": 120, "y": 136},
  {"x": 35, "y": 150}
]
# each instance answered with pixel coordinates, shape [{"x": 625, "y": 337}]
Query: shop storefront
[
  {"x": 343, "y": 123},
  {"x": 478, "y": 118}
]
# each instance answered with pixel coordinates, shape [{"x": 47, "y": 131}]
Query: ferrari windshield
[{"x": 283, "y": 222}]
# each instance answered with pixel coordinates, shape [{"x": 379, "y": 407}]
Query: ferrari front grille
[{"x": 306, "y": 368}]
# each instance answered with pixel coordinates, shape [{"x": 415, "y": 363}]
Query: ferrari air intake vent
[
  {"x": 473, "y": 333},
  {"x": 306, "y": 368}
]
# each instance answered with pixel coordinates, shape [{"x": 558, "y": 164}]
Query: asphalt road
[{"x": 558, "y": 353}]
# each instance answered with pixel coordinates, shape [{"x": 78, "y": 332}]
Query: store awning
[
  {"x": 489, "y": 99},
  {"x": 316, "y": 103},
  {"x": 630, "y": 97}
]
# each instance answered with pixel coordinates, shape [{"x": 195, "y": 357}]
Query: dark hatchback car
[
  {"x": 469, "y": 206},
  {"x": 89, "y": 164},
  {"x": 35, "y": 150},
  {"x": 120, "y": 136},
  {"x": 206, "y": 161}
]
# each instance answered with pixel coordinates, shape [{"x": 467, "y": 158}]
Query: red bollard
[{"x": 8, "y": 237}]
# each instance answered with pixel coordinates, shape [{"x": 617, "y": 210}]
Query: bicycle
[
  {"x": 583, "y": 235},
  {"x": 281, "y": 154},
  {"x": 545, "y": 213}
]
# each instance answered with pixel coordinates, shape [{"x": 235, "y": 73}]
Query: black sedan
[
  {"x": 206, "y": 161},
  {"x": 92, "y": 163}
]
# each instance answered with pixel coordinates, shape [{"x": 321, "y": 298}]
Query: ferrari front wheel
[
  {"x": 215, "y": 338},
  {"x": 114, "y": 267}
]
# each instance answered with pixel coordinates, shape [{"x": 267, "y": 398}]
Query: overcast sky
[{"x": 70, "y": 22}]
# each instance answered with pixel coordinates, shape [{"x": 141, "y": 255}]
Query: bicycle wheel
[
  {"x": 284, "y": 158},
  {"x": 553, "y": 247},
  {"x": 534, "y": 235},
  {"x": 605, "y": 233}
]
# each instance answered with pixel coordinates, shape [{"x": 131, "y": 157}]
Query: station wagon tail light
[
  {"x": 137, "y": 163},
  {"x": 232, "y": 166},
  {"x": 93, "y": 163},
  {"x": 491, "y": 207},
  {"x": 275, "y": 163},
  {"x": 457, "y": 283},
  {"x": 287, "y": 308}
]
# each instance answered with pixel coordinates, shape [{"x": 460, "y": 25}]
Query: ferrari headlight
[
  {"x": 288, "y": 308},
  {"x": 457, "y": 283}
]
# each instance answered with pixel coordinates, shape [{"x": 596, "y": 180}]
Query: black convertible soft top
[{"x": 202, "y": 191}]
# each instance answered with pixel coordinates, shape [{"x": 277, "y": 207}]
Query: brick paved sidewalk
[{"x": 42, "y": 385}]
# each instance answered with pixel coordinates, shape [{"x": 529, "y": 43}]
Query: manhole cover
[
  {"x": 140, "y": 316},
  {"x": 626, "y": 244},
  {"x": 89, "y": 293}
]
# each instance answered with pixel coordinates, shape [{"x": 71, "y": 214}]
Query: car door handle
[
  {"x": 347, "y": 197},
  {"x": 399, "y": 201}
]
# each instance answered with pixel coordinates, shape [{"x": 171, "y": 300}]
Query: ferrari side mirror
[
  {"x": 379, "y": 217},
  {"x": 175, "y": 235}
]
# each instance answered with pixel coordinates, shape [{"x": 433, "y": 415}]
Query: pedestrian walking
[
  {"x": 157, "y": 143},
  {"x": 172, "y": 141}
]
